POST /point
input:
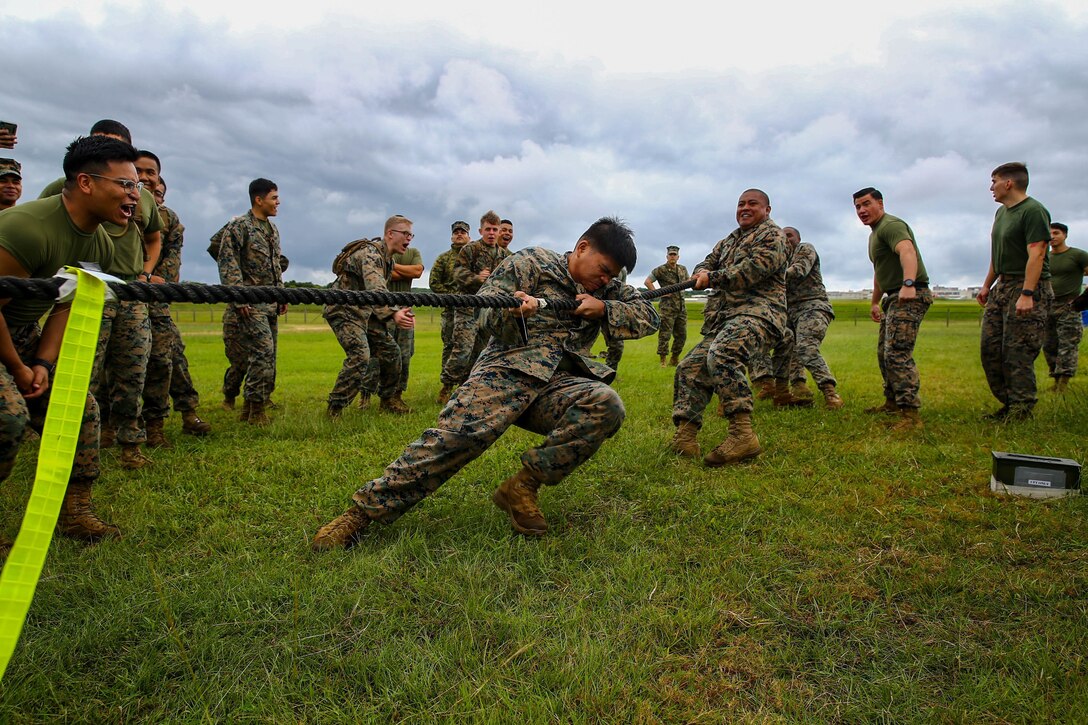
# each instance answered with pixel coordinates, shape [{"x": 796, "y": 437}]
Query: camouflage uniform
[
  {"x": 124, "y": 340},
  {"x": 1010, "y": 342},
  {"x": 405, "y": 339},
  {"x": 473, "y": 258},
  {"x": 442, "y": 281},
  {"x": 745, "y": 310},
  {"x": 673, "y": 311},
  {"x": 1063, "y": 326},
  {"x": 363, "y": 332},
  {"x": 249, "y": 255},
  {"x": 808, "y": 314},
  {"x": 533, "y": 374},
  {"x": 167, "y": 368}
]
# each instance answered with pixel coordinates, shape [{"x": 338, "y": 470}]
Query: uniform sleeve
[
  {"x": 1037, "y": 225},
  {"x": 628, "y": 316},
  {"x": 712, "y": 260},
  {"x": 230, "y": 245},
  {"x": 520, "y": 272},
  {"x": 895, "y": 232},
  {"x": 150, "y": 211},
  {"x": 804, "y": 259},
  {"x": 463, "y": 276},
  {"x": 371, "y": 270},
  {"x": 169, "y": 264},
  {"x": 766, "y": 255},
  {"x": 439, "y": 280}
]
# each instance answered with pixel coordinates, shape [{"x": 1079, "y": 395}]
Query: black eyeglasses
[
  {"x": 127, "y": 184},
  {"x": 407, "y": 235}
]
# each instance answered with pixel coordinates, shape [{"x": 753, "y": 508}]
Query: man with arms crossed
[
  {"x": 1016, "y": 307},
  {"x": 900, "y": 300},
  {"x": 1068, "y": 266}
]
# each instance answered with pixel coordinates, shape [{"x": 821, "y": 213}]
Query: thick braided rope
[{"x": 46, "y": 289}]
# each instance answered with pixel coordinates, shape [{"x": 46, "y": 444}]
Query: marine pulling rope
[{"x": 46, "y": 289}]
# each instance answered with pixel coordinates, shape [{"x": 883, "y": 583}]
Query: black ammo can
[{"x": 1034, "y": 476}]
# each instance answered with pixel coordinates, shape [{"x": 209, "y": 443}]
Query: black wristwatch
[
  {"x": 49, "y": 367},
  {"x": 908, "y": 282},
  {"x": 1028, "y": 292}
]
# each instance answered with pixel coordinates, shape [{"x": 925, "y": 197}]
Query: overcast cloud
[{"x": 356, "y": 123}]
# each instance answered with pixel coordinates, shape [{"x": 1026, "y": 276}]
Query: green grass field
[{"x": 846, "y": 575}]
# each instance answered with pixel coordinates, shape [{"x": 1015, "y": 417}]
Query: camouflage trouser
[
  {"x": 759, "y": 365},
  {"x": 406, "y": 341},
  {"x": 363, "y": 346},
  {"x": 120, "y": 367},
  {"x": 17, "y": 413},
  {"x": 1063, "y": 333},
  {"x": 719, "y": 365},
  {"x": 250, "y": 346},
  {"x": 167, "y": 372},
  {"x": 674, "y": 323},
  {"x": 1011, "y": 342},
  {"x": 801, "y": 350},
  {"x": 895, "y": 347},
  {"x": 464, "y": 349},
  {"x": 447, "y": 338},
  {"x": 575, "y": 414},
  {"x": 614, "y": 350}
]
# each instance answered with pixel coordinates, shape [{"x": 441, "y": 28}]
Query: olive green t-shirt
[
  {"x": 883, "y": 239},
  {"x": 411, "y": 256},
  {"x": 1067, "y": 271},
  {"x": 42, "y": 238},
  {"x": 129, "y": 240},
  {"x": 1014, "y": 229}
]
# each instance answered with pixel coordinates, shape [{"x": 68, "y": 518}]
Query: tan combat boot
[
  {"x": 686, "y": 440},
  {"x": 663, "y": 360},
  {"x": 909, "y": 419},
  {"x": 257, "y": 416},
  {"x": 832, "y": 398},
  {"x": 342, "y": 532},
  {"x": 741, "y": 444},
  {"x": 193, "y": 425},
  {"x": 228, "y": 404},
  {"x": 888, "y": 407},
  {"x": 156, "y": 437},
  {"x": 674, "y": 360},
  {"x": 444, "y": 394},
  {"x": 335, "y": 412},
  {"x": 132, "y": 458},
  {"x": 766, "y": 388},
  {"x": 247, "y": 407},
  {"x": 77, "y": 518},
  {"x": 800, "y": 390},
  {"x": 784, "y": 397},
  {"x": 107, "y": 437},
  {"x": 394, "y": 404},
  {"x": 1061, "y": 384},
  {"x": 364, "y": 401},
  {"x": 517, "y": 497}
]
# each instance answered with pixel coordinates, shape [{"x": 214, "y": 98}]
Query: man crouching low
[{"x": 534, "y": 373}]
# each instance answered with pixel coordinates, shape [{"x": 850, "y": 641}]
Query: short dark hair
[
  {"x": 112, "y": 128},
  {"x": 866, "y": 192},
  {"x": 794, "y": 229},
  {"x": 92, "y": 154},
  {"x": 1014, "y": 171},
  {"x": 162, "y": 183},
  {"x": 260, "y": 187},
  {"x": 761, "y": 192},
  {"x": 612, "y": 237},
  {"x": 1060, "y": 227},
  {"x": 507, "y": 221},
  {"x": 145, "y": 154}
]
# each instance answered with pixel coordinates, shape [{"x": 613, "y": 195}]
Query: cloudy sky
[{"x": 560, "y": 113}]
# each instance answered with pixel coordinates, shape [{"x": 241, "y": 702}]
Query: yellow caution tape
[{"x": 67, "y": 400}]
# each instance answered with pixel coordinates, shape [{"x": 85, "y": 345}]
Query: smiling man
[
  {"x": 370, "y": 332},
  {"x": 534, "y": 373},
  {"x": 1016, "y": 308},
  {"x": 37, "y": 239},
  {"x": 745, "y": 313},
  {"x": 11, "y": 183}
]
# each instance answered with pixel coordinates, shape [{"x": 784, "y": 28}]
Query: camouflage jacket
[
  {"x": 442, "y": 280},
  {"x": 247, "y": 254},
  {"x": 748, "y": 277},
  {"x": 664, "y": 276},
  {"x": 367, "y": 267},
  {"x": 169, "y": 265},
  {"x": 804, "y": 283},
  {"x": 553, "y": 339},
  {"x": 474, "y": 258}
]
